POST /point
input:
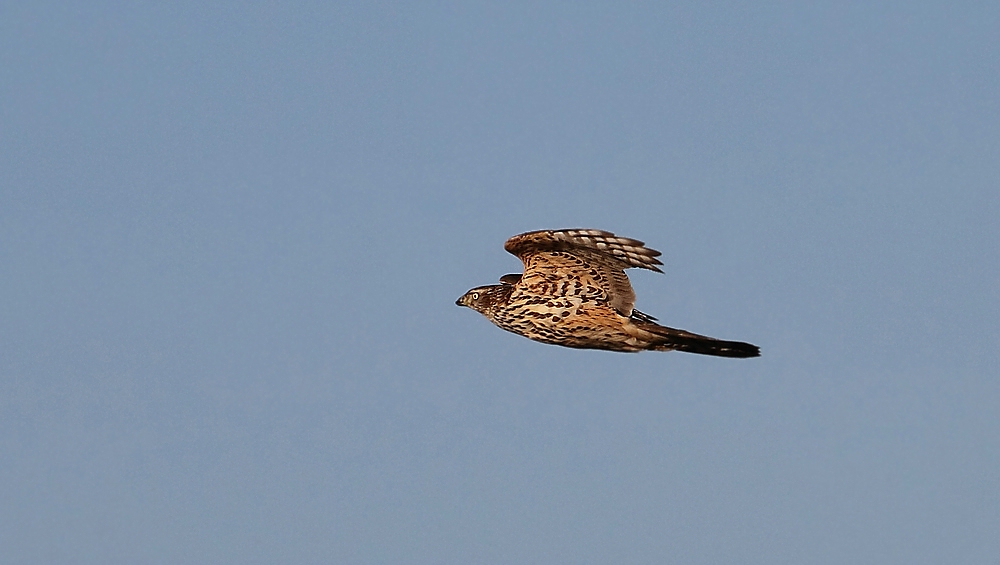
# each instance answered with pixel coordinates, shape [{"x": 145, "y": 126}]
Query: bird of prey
[{"x": 574, "y": 292}]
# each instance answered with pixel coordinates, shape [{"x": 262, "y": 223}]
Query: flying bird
[{"x": 574, "y": 292}]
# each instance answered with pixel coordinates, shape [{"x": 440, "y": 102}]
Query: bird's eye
[{"x": 475, "y": 296}]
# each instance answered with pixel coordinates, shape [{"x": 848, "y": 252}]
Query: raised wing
[
  {"x": 583, "y": 261},
  {"x": 512, "y": 278},
  {"x": 628, "y": 252}
]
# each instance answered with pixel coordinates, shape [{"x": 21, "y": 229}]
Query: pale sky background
[{"x": 232, "y": 235}]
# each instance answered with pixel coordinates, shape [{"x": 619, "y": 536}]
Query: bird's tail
[{"x": 668, "y": 339}]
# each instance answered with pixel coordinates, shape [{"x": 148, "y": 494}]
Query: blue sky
[{"x": 232, "y": 235}]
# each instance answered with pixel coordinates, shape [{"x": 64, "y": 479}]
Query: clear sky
[{"x": 232, "y": 235}]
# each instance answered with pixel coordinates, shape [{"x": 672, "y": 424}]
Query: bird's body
[{"x": 574, "y": 292}]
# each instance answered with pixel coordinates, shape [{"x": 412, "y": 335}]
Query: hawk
[{"x": 574, "y": 292}]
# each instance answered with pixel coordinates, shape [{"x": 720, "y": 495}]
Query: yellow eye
[{"x": 475, "y": 296}]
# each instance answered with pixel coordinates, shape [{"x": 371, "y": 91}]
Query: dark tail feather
[{"x": 680, "y": 340}]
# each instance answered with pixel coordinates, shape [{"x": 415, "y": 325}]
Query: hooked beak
[{"x": 460, "y": 301}]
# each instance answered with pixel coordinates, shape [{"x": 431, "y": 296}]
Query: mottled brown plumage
[{"x": 574, "y": 292}]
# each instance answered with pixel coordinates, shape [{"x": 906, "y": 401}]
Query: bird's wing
[
  {"x": 512, "y": 278},
  {"x": 583, "y": 262}
]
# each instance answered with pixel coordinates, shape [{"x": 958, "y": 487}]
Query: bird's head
[{"x": 482, "y": 299}]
